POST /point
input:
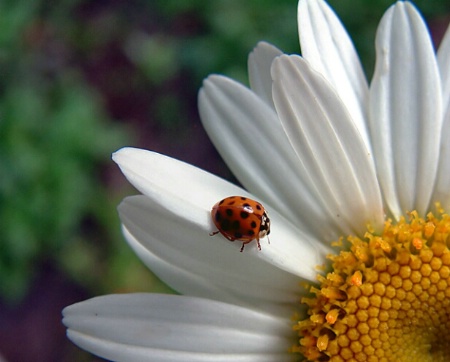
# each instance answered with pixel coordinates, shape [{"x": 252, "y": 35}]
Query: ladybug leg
[
  {"x": 242, "y": 247},
  {"x": 214, "y": 233},
  {"x": 258, "y": 243}
]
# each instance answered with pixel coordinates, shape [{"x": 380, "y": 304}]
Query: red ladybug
[{"x": 240, "y": 218}]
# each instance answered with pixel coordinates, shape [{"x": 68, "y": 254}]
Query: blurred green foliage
[
  {"x": 53, "y": 136},
  {"x": 57, "y": 96}
]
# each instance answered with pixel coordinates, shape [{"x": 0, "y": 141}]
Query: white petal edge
[
  {"x": 441, "y": 192},
  {"x": 443, "y": 58},
  {"x": 259, "y": 63},
  {"x": 190, "y": 193},
  {"x": 250, "y": 138},
  {"x": 405, "y": 110},
  {"x": 328, "y": 48},
  {"x": 320, "y": 130},
  {"x": 186, "y": 257},
  {"x": 168, "y": 328}
]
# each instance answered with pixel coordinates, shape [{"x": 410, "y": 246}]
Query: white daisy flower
[{"x": 330, "y": 158}]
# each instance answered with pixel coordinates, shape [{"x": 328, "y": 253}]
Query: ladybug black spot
[
  {"x": 236, "y": 225},
  {"x": 229, "y": 212},
  {"x": 243, "y": 198},
  {"x": 251, "y": 232},
  {"x": 244, "y": 214},
  {"x": 253, "y": 224},
  {"x": 258, "y": 206},
  {"x": 218, "y": 216},
  {"x": 225, "y": 225},
  {"x": 246, "y": 205},
  {"x": 237, "y": 235}
]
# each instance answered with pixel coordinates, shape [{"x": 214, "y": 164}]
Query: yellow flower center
[{"x": 387, "y": 298}]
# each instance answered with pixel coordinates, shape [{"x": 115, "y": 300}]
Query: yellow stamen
[
  {"x": 356, "y": 278},
  {"x": 332, "y": 316},
  {"x": 387, "y": 298},
  {"x": 322, "y": 342}
]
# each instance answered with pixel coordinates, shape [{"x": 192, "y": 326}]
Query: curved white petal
[
  {"x": 184, "y": 255},
  {"x": 195, "y": 277},
  {"x": 249, "y": 136},
  {"x": 405, "y": 110},
  {"x": 259, "y": 63},
  {"x": 331, "y": 148},
  {"x": 163, "y": 178},
  {"x": 443, "y": 58},
  {"x": 328, "y": 48},
  {"x": 187, "y": 194},
  {"x": 169, "y": 328},
  {"x": 442, "y": 192}
]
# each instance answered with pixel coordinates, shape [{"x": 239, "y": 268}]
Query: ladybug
[{"x": 240, "y": 218}]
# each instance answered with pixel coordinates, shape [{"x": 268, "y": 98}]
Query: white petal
[
  {"x": 443, "y": 57},
  {"x": 259, "y": 63},
  {"x": 405, "y": 110},
  {"x": 179, "y": 249},
  {"x": 189, "y": 193},
  {"x": 168, "y": 328},
  {"x": 331, "y": 148},
  {"x": 442, "y": 193},
  {"x": 161, "y": 178},
  {"x": 249, "y": 136},
  {"x": 328, "y": 48}
]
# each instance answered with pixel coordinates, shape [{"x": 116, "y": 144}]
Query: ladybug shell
[{"x": 241, "y": 218}]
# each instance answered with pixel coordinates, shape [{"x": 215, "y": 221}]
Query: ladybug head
[{"x": 265, "y": 226}]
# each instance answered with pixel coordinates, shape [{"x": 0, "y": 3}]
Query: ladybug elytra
[{"x": 240, "y": 218}]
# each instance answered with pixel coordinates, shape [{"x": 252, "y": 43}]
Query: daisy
[{"x": 353, "y": 176}]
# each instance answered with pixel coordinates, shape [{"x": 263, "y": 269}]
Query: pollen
[{"x": 386, "y": 299}]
